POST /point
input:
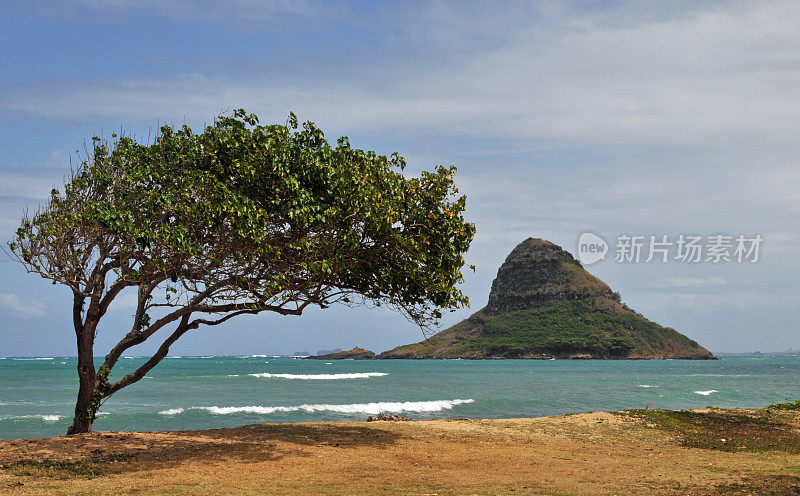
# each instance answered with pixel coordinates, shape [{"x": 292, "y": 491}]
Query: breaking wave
[
  {"x": 172, "y": 411},
  {"x": 46, "y": 418},
  {"x": 318, "y": 377},
  {"x": 368, "y": 408},
  {"x": 706, "y": 393}
]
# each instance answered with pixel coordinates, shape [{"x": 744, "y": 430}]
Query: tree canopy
[{"x": 240, "y": 218}]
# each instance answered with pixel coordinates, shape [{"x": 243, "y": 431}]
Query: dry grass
[{"x": 588, "y": 454}]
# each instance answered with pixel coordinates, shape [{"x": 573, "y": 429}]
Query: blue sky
[{"x": 647, "y": 118}]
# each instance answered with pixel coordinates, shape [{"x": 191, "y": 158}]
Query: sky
[{"x": 616, "y": 118}]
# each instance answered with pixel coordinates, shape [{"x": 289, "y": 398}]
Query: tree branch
[
  {"x": 207, "y": 322},
  {"x": 159, "y": 355},
  {"x": 137, "y": 335}
]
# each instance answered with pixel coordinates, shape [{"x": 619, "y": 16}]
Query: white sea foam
[
  {"x": 706, "y": 393},
  {"x": 367, "y": 408},
  {"x": 321, "y": 377},
  {"x": 328, "y": 363},
  {"x": 647, "y": 386},
  {"x": 172, "y": 411},
  {"x": 46, "y": 418},
  {"x": 232, "y": 375},
  {"x": 26, "y": 359}
]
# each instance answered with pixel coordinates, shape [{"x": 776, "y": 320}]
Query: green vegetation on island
[{"x": 570, "y": 327}]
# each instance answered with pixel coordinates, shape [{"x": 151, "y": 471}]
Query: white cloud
[
  {"x": 25, "y": 309},
  {"x": 688, "y": 282},
  {"x": 718, "y": 83},
  {"x": 707, "y": 78}
]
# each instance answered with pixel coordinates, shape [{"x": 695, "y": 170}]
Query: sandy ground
[{"x": 587, "y": 454}]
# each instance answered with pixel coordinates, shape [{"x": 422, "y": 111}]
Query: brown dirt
[{"x": 588, "y": 454}]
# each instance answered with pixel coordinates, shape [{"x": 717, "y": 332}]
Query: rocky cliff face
[
  {"x": 544, "y": 304},
  {"x": 538, "y": 273}
]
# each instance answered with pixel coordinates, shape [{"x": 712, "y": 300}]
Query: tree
[{"x": 239, "y": 219}]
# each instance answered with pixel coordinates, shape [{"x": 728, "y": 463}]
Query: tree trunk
[{"x": 85, "y": 406}]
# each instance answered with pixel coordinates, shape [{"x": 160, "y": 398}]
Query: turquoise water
[{"x": 36, "y": 395}]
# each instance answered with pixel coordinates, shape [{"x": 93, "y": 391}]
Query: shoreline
[{"x": 709, "y": 451}]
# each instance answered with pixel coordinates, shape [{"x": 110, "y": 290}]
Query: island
[
  {"x": 354, "y": 354},
  {"x": 544, "y": 304}
]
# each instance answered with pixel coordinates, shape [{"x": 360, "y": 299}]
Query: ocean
[{"x": 37, "y": 394}]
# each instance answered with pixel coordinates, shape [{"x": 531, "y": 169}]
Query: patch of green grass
[
  {"x": 723, "y": 430},
  {"x": 91, "y": 467},
  {"x": 778, "y": 485},
  {"x": 794, "y": 405}
]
